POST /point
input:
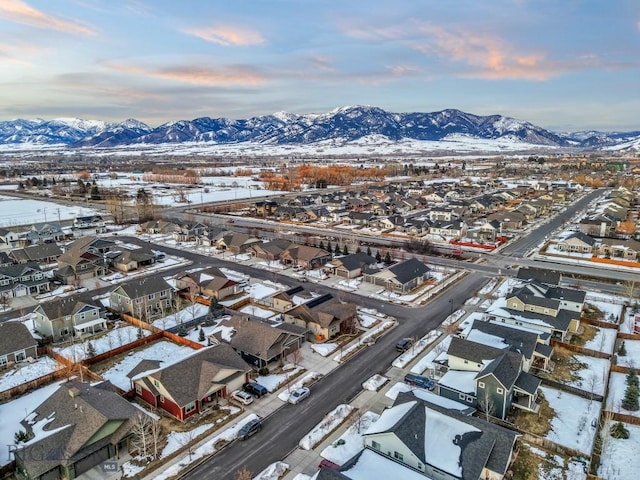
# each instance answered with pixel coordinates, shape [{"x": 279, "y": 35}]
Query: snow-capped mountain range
[{"x": 345, "y": 124}]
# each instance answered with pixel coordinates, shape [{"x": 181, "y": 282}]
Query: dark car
[
  {"x": 255, "y": 389},
  {"x": 328, "y": 464},
  {"x": 404, "y": 344},
  {"x": 419, "y": 381},
  {"x": 250, "y": 428}
]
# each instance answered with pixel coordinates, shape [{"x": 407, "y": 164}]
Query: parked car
[
  {"x": 404, "y": 344},
  {"x": 419, "y": 381},
  {"x": 244, "y": 398},
  {"x": 328, "y": 464},
  {"x": 250, "y": 428},
  {"x": 298, "y": 395},
  {"x": 255, "y": 389}
]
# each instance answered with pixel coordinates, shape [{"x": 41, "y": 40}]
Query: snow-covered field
[
  {"x": 632, "y": 358},
  {"x": 190, "y": 312},
  {"x": 615, "y": 394},
  {"x": 604, "y": 341},
  {"x": 328, "y": 424},
  {"x": 592, "y": 378},
  {"x": 20, "y": 211},
  {"x": 610, "y": 311},
  {"x": 352, "y": 437},
  {"x": 162, "y": 350},
  {"x": 276, "y": 380},
  {"x": 345, "y": 352},
  {"x": 620, "y": 459},
  {"x": 110, "y": 340},
  {"x": 26, "y": 372},
  {"x": 572, "y": 426}
]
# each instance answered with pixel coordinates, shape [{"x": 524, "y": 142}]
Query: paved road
[{"x": 286, "y": 426}]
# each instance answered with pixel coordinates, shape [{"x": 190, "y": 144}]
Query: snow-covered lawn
[
  {"x": 604, "y": 341},
  {"x": 25, "y": 372},
  {"x": 328, "y": 424},
  {"x": 12, "y": 412},
  {"x": 415, "y": 350},
  {"x": 115, "y": 338},
  {"x": 488, "y": 287},
  {"x": 163, "y": 351},
  {"x": 454, "y": 317},
  {"x": 324, "y": 349},
  {"x": 593, "y": 377},
  {"x": 615, "y": 394},
  {"x": 610, "y": 311},
  {"x": 303, "y": 382},
  {"x": 505, "y": 287},
  {"x": 188, "y": 313},
  {"x": 276, "y": 380},
  {"x": 262, "y": 290},
  {"x": 425, "y": 364},
  {"x": 274, "y": 471},
  {"x": 572, "y": 424},
  {"x": 366, "y": 320},
  {"x": 620, "y": 459},
  {"x": 352, "y": 437},
  {"x": 206, "y": 449},
  {"x": 258, "y": 311},
  {"x": 375, "y": 382},
  {"x": 554, "y": 467},
  {"x": 632, "y": 358},
  {"x": 176, "y": 440}
]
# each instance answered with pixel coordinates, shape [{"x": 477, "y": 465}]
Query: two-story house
[
  {"x": 22, "y": 279},
  {"x": 65, "y": 317},
  {"x": 147, "y": 299},
  {"x": 16, "y": 344}
]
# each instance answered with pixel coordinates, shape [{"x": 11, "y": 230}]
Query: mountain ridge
[{"x": 344, "y": 124}]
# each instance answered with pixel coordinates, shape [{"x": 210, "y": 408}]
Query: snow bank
[{"x": 330, "y": 422}]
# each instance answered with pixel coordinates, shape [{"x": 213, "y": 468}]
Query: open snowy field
[{"x": 20, "y": 211}]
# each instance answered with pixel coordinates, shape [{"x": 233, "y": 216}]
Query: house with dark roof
[
  {"x": 283, "y": 301},
  {"x": 77, "y": 428},
  {"x": 192, "y": 384},
  {"x": 8, "y": 239},
  {"x": 350, "y": 266},
  {"x": 43, "y": 253},
  {"x": 540, "y": 275},
  {"x": 305, "y": 256},
  {"x": 236, "y": 243},
  {"x": 22, "y": 279},
  {"x": 127, "y": 260},
  {"x": 68, "y": 316},
  {"x": 88, "y": 225},
  {"x": 324, "y": 317},
  {"x": 210, "y": 282},
  {"x": 16, "y": 344},
  {"x": 400, "y": 278},
  {"x": 271, "y": 250},
  {"x": 146, "y": 299},
  {"x": 488, "y": 378},
  {"x": 43, "y": 233},
  {"x": 259, "y": 343},
  {"x": 439, "y": 443},
  {"x": 577, "y": 242},
  {"x": 85, "y": 258}
]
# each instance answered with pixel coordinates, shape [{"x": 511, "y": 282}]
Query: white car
[
  {"x": 242, "y": 397},
  {"x": 298, "y": 395}
]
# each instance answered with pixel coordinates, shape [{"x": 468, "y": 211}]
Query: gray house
[
  {"x": 400, "y": 278},
  {"x": 16, "y": 344},
  {"x": 62, "y": 318}
]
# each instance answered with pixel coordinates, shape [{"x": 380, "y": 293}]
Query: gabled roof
[
  {"x": 15, "y": 336},
  {"x": 409, "y": 270},
  {"x": 528, "y": 383},
  {"x": 65, "y": 306},
  {"x": 549, "y": 277},
  {"x": 145, "y": 286},
  {"x": 78, "y": 411},
  {"x": 191, "y": 378},
  {"x": 355, "y": 260},
  {"x": 582, "y": 237},
  {"x": 20, "y": 270},
  {"x": 505, "y": 369},
  {"x": 475, "y": 352},
  {"x": 516, "y": 340}
]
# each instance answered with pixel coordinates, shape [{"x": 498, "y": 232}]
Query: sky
[{"x": 565, "y": 65}]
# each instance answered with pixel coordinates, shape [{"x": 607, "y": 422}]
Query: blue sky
[{"x": 561, "y": 64}]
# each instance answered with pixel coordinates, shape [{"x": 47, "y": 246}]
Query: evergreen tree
[
  {"x": 201, "y": 335},
  {"x": 618, "y": 430},
  {"x": 329, "y": 248},
  {"x": 91, "y": 350},
  {"x": 368, "y": 250},
  {"x": 358, "y": 250},
  {"x": 622, "y": 349},
  {"x": 387, "y": 259},
  {"x": 321, "y": 246},
  {"x": 630, "y": 400},
  {"x": 345, "y": 250},
  {"x": 140, "y": 333},
  {"x": 632, "y": 377},
  {"x": 336, "y": 250},
  {"x": 378, "y": 256}
]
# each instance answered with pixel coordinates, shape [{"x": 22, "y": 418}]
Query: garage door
[{"x": 91, "y": 460}]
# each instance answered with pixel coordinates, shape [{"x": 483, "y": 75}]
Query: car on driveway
[
  {"x": 250, "y": 428},
  {"x": 255, "y": 389},
  {"x": 299, "y": 394},
  {"x": 419, "y": 381},
  {"x": 244, "y": 398}
]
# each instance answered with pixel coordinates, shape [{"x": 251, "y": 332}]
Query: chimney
[{"x": 74, "y": 392}]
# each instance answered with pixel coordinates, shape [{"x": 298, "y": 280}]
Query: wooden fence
[
  {"x": 619, "y": 369},
  {"x": 553, "y": 446},
  {"x": 579, "y": 349},
  {"x": 571, "y": 389},
  {"x": 623, "y": 417},
  {"x": 123, "y": 348},
  {"x": 599, "y": 323},
  {"x": 628, "y": 336},
  {"x": 32, "y": 385}
]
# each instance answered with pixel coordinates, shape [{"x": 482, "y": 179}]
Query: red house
[{"x": 192, "y": 384}]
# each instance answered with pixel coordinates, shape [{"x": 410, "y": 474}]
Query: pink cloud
[
  {"x": 227, "y": 35},
  {"x": 200, "y": 75},
  {"x": 19, "y": 12},
  {"x": 488, "y": 55}
]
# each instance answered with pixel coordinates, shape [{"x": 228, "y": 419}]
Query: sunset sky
[{"x": 561, "y": 64}]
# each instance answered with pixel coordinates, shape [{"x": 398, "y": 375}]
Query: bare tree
[
  {"x": 629, "y": 287},
  {"x": 244, "y": 474},
  {"x": 186, "y": 440},
  {"x": 486, "y": 404},
  {"x": 142, "y": 437}
]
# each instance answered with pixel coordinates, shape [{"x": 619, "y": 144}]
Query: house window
[
  {"x": 3, "y": 360},
  {"x": 138, "y": 389},
  {"x": 20, "y": 356},
  {"x": 163, "y": 294},
  {"x": 499, "y": 390},
  {"x": 161, "y": 398},
  {"x": 461, "y": 396},
  {"x": 419, "y": 466},
  {"x": 151, "y": 296},
  {"x": 398, "y": 456},
  {"x": 480, "y": 384},
  {"x": 190, "y": 407},
  {"x": 375, "y": 445},
  {"x": 139, "y": 300},
  {"x": 156, "y": 383}
]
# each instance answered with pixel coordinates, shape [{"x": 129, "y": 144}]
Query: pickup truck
[{"x": 419, "y": 381}]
